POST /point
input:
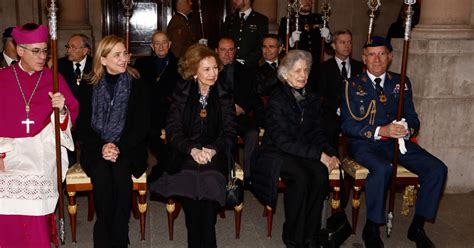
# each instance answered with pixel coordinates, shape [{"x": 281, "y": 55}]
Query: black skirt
[{"x": 194, "y": 181}]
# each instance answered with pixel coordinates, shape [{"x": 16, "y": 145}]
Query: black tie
[
  {"x": 78, "y": 70},
  {"x": 13, "y": 62},
  {"x": 274, "y": 65},
  {"x": 242, "y": 19},
  {"x": 378, "y": 87},
  {"x": 344, "y": 70}
]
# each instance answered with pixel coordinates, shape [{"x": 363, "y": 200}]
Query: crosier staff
[
  {"x": 54, "y": 56},
  {"x": 287, "y": 39},
  {"x": 201, "y": 20},
  {"x": 406, "y": 42},
  {"x": 128, "y": 7}
]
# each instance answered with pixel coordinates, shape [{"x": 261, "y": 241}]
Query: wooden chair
[
  {"x": 335, "y": 186},
  {"x": 356, "y": 175},
  {"x": 78, "y": 181},
  {"x": 173, "y": 208}
]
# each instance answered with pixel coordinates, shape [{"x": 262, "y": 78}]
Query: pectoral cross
[{"x": 27, "y": 122}]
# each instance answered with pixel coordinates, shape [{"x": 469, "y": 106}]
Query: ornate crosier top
[{"x": 53, "y": 20}]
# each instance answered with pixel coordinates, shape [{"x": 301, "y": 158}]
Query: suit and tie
[
  {"x": 330, "y": 87},
  {"x": 67, "y": 68},
  {"x": 376, "y": 154}
]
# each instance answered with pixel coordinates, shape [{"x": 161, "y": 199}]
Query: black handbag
[
  {"x": 338, "y": 229},
  {"x": 235, "y": 186}
]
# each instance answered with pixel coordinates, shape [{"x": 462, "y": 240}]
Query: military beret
[
  {"x": 377, "y": 41},
  {"x": 7, "y": 33}
]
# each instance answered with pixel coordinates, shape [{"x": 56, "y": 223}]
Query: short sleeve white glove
[
  {"x": 325, "y": 34},
  {"x": 401, "y": 142},
  {"x": 203, "y": 41},
  {"x": 295, "y": 36}
]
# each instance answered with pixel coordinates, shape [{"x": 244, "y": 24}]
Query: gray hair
[{"x": 290, "y": 59}]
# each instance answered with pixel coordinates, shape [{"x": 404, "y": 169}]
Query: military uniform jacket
[
  {"x": 360, "y": 93},
  {"x": 248, "y": 38},
  {"x": 181, "y": 34},
  {"x": 310, "y": 39}
]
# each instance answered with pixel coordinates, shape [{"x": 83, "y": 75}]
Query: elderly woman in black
[
  {"x": 295, "y": 149},
  {"x": 112, "y": 127},
  {"x": 200, "y": 131}
]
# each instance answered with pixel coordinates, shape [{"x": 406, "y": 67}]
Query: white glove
[
  {"x": 401, "y": 141},
  {"x": 325, "y": 34},
  {"x": 203, "y": 41},
  {"x": 295, "y": 36}
]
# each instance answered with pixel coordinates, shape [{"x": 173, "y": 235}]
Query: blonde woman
[{"x": 112, "y": 128}]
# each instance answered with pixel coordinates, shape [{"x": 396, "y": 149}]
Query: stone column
[
  {"x": 268, "y": 8},
  {"x": 73, "y": 13},
  {"x": 441, "y": 19},
  {"x": 441, "y": 58}
]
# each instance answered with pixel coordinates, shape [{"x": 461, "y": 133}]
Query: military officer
[
  {"x": 309, "y": 33},
  {"x": 247, "y": 28},
  {"x": 368, "y": 113}
]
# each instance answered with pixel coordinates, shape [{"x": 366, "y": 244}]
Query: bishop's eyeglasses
[{"x": 36, "y": 51}]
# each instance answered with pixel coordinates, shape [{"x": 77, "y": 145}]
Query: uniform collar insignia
[{"x": 364, "y": 79}]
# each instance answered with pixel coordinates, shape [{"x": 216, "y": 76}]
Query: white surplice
[{"x": 28, "y": 185}]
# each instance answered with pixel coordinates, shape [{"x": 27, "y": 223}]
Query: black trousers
[
  {"x": 201, "y": 217},
  {"x": 306, "y": 188},
  {"x": 113, "y": 202}
]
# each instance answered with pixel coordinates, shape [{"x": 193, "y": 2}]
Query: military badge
[
  {"x": 353, "y": 84},
  {"x": 396, "y": 90},
  {"x": 306, "y": 27},
  {"x": 364, "y": 79},
  {"x": 368, "y": 134},
  {"x": 362, "y": 109},
  {"x": 253, "y": 27},
  {"x": 383, "y": 99},
  {"x": 361, "y": 91}
]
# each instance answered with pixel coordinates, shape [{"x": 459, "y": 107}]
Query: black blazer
[
  {"x": 133, "y": 142},
  {"x": 266, "y": 80},
  {"x": 330, "y": 85},
  {"x": 66, "y": 68},
  {"x": 248, "y": 41},
  {"x": 161, "y": 90}
]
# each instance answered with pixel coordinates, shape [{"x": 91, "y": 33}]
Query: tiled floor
[{"x": 454, "y": 226}]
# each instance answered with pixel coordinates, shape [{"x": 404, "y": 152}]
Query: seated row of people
[{"x": 115, "y": 122}]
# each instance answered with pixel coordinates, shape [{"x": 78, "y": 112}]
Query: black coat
[
  {"x": 287, "y": 132},
  {"x": 248, "y": 39},
  {"x": 161, "y": 85},
  {"x": 220, "y": 132},
  {"x": 133, "y": 141},
  {"x": 67, "y": 67}
]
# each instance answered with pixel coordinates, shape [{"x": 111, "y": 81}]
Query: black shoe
[
  {"x": 371, "y": 235},
  {"x": 418, "y": 235}
]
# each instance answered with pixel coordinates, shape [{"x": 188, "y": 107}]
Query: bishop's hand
[{"x": 57, "y": 100}]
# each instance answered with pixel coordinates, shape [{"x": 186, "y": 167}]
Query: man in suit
[
  {"x": 239, "y": 80},
  {"x": 247, "y": 28},
  {"x": 330, "y": 84},
  {"x": 368, "y": 120},
  {"x": 9, "y": 55},
  {"x": 77, "y": 62},
  {"x": 179, "y": 28},
  {"x": 160, "y": 72},
  {"x": 73, "y": 67},
  {"x": 266, "y": 75}
]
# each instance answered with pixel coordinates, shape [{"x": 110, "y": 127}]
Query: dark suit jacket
[
  {"x": 240, "y": 80},
  {"x": 248, "y": 40},
  {"x": 361, "y": 92},
  {"x": 133, "y": 141},
  {"x": 66, "y": 68},
  {"x": 266, "y": 80},
  {"x": 161, "y": 90},
  {"x": 181, "y": 34},
  {"x": 3, "y": 62}
]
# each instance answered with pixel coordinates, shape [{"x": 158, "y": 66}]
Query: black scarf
[{"x": 109, "y": 111}]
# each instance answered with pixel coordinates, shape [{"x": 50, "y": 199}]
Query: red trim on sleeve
[
  {"x": 3, "y": 155},
  {"x": 63, "y": 125}
]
